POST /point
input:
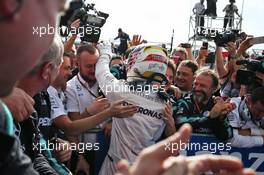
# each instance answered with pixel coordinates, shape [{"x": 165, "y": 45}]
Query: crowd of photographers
[{"x": 82, "y": 108}]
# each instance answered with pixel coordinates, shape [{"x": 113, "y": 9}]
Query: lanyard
[
  {"x": 86, "y": 87},
  {"x": 197, "y": 107}
]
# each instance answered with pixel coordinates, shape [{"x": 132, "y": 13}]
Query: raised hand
[
  {"x": 156, "y": 160},
  {"x": 136, "y": 40},
  {"x": 20, "y": 104},
  {"x": 221, "y": 108}
]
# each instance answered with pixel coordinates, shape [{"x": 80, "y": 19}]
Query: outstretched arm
[
  {"x": 158, "y": 158},
  {"x": 78, "y": 126}
]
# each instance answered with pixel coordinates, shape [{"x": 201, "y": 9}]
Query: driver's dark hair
[{"x": 115, "y": 57}]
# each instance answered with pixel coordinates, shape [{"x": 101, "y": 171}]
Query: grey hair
[{"x": 53, "y": 54}]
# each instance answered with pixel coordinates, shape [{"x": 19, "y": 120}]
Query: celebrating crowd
[{"x": 87, "y": 108}]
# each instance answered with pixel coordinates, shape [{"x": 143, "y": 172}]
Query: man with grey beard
[{"x": 199, "y": 108}]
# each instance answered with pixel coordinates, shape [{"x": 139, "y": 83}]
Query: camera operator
[
  {"x": 251, "y": 75},
  {"x": 227, "y": 73},
  {"x": 205, "y": 113},
  {"x": 199, "y": 11},
  {"x": 73, "y": 7},
  {"x": 211, "y": 8},
  {"x": 86, "y": 21},
  {"x": 247, "y": 119},
  {"x": 230, "y": 9}
]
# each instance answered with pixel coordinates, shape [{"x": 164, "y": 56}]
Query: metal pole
[
  {"x": 189, "y": 31},
  {"x": 242, "y": 10},
  {"x": 172, "y": 40}
]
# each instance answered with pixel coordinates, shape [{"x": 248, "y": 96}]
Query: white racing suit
[{"x": 130, "y": 135}]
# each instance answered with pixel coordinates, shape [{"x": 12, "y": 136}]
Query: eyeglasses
[{"x": 16, "y": 9}]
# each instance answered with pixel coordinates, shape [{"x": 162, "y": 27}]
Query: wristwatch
[{"x": 206, "y": 114}]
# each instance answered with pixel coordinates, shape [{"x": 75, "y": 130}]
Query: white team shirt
[
  {"x": 237, "y": 122},
  {"x": 57, "y": 100},
  {"x": 130, "y": 135},
  {"x": 78, "y": 98}
]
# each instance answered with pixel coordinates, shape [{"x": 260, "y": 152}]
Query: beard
[
  {"x": 199, "y": 96},
  {"x": 87, "y": 78}
]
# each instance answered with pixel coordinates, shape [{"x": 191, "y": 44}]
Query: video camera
[
  {"x": 223, "y": 38},
  {"x": 91, "y": 21},
  {"x": 248, "y": 76}
]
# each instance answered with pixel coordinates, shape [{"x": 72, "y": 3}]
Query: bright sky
[{"x": 154, "y": 19}]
